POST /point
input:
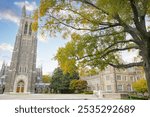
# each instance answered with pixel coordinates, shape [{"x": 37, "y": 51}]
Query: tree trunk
[
  {"x": 147, "y": 74},
  {"x": 146, "y": 59}
]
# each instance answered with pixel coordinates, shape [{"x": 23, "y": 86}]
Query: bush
[
  {"x": 140, "y": 86},
  {"x": 135, "y": 97},
  {"x": 88, "y": 92},
  {"x": 79, "y": 86}
]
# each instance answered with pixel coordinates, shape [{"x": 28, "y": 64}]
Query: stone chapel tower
[{"x": 22, "y": 73}]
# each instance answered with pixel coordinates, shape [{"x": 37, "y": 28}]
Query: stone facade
[
  {"x": 112, "y": 80},
  {"x": 3, "y": 74},
  {"x": 22, "y": 74}
]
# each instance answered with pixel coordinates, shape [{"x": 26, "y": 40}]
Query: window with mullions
[
  {"x": 26, "y": 28},
  {"x": 118, "y": 77},
  {"x": 108, "y": 88},
  {"x": 120, "y": 87},
  {"x": 30, "y": 30}
]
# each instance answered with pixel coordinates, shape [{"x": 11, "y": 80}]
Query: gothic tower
[{"x": 22, "y": 73}]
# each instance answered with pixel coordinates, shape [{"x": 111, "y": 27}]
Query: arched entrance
[
  {"x": 20, "y": 84},
  {"x": 20, "y": 87}
]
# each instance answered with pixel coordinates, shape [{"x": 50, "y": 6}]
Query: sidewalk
[{"x": 47, "y": 97}]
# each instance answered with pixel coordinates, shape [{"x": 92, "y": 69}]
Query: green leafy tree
[
  {"x": 56, "y": 80},
  {"x": 46, "y": 79},
  {"x": 60, "y": 81},
  {"x": 140, "y": 86},
  {"x": 98, "y": 29},
  {"x": 78, "y": 85}
]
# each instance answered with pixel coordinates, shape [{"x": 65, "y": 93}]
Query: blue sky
[{"x": 10, "y": 13}]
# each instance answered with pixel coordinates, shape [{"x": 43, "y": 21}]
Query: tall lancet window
[
  {"x": 26, "y": 28},
  {"x": 30, "y": 30}
]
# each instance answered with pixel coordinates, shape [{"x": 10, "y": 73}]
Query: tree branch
[
  {"x": 92, "y": 30},
  {"x": 142, "y": 17},
  {"x": 104, "y": 54},
  {"x": 135, "y": 13},
  {"x": 109, "y": 34},
  {"x": 93, "y": 5},
  {"x": 137, "y": 64},
  {"x": 117, "y": 49},
  {"x": 101, "y": 23},
  {"x": 126, "y": 41},
  {"x": 139, "y": 19}
]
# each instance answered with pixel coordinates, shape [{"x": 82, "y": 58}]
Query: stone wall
[
  {"x": 1, "y": 89},
  {"x": 115, "y": 95}
]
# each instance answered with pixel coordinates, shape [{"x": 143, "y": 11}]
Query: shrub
[
  {"x": 78, "y": 85},
  {"x": 140, "y": 86},
  {"x": 88, "y": 92}
]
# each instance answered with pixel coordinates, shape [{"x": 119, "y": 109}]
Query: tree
[
  {"x": 46, "y": 79},
  {"x": 99, "y": 30},
  {"x": 140, "y": 86},
  {"x": 60, "y": 81},
  {"x": 83, "y": 72},
  {"x": 78, "y": 85}
]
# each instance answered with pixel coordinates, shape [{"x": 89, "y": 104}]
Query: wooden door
[{"x": 20, "y": 87}]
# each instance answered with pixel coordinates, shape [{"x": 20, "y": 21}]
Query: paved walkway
[{"x": 47, "y": 97}]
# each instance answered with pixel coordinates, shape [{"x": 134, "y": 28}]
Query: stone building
[
  {"x": 22, "y": 75},
  {"x": 112, "y": 80},
  {"x": 3, "y": 74}
]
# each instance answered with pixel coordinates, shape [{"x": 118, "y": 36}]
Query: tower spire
[
  {"x": 3, "y": 65},
  {"x": 24, "y": 11}
]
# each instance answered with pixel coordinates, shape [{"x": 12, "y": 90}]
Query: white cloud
[
  {"x": 6, "y": 47},
  {"x": 9, "y": 15},
  {"x": 29, "y": 6}
]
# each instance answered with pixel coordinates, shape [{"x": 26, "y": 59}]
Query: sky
[{"x": 10, "y": 13}]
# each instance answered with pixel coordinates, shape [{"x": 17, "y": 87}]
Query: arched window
[
  {"x": 30, "y": 30},
  {"x": 26, "y": 28}
]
